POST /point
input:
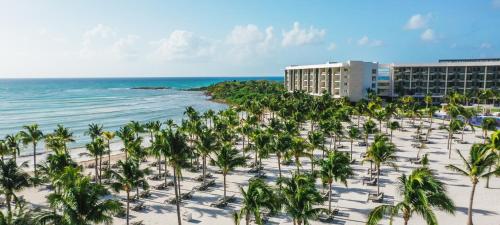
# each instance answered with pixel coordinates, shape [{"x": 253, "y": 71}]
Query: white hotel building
[{"x": 353, "y": 79}]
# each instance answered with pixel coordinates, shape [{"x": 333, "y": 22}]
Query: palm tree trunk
[
  {"x": 312, "y": 163},
  {"x": 177, "y": 203},
  {"x": 97, "y": 179},
  {"x": 391, "y": 135},
  {"x": 9, "y": 210},
  {"x": 34, "y": 160},
  {"x": 469, "y": 213},
  {"x": 330, "y": 198},
  {"x": 378, "y": 179},
  {"x": 297, "y": 164},
  {"x": 351, "y": 149},
  {"x": 158, "y": 161},
  {"x": 279, "y": 164},
  {"x": 128, "y": 206},
  {"x": 165, "y": 170},
  {"x": 109, "y": 156},
  {"x": 100, "y": 167},
  {"x": 450, "y": 140},
  {"x": 247, "y": 218},
  {"x": 224, "y": 175},
  {"x": 488, "y": 178},
  {"x": 204, "y": 167}
]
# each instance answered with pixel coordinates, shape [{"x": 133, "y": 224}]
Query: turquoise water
[{"x": 77, "y": 102}]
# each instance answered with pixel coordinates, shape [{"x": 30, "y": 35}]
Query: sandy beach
[{"x": 351, "y": 201}]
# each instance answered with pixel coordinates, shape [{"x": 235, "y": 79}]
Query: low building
[
  {"x": 353, "y": 79},
  {"x": 350, "y": 79}
]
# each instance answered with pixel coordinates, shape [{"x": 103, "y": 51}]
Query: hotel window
[{"x": 374, "y": 71}]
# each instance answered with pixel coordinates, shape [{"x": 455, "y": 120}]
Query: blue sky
[{"x": 198, "y": 38}]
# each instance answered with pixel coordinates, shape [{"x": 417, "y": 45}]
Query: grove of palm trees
[{"x": 272, "y": 157}]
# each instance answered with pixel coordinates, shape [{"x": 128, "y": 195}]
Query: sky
[{"x": 242, "y": 38}]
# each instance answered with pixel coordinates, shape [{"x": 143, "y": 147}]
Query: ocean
[{"x": 112, "y": 102}]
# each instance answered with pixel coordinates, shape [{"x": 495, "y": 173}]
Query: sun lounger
[
  {"x": 371, "y": 182},
  {"x": 139, "y": 207},
  {"x": 376, "y": 198},
  {"x": 222, "y": 202},
  {"x": 138, "y": 223},
  {"x": 171, "y": 200},
  {"x": 416, "y": 160},
  {"x": 260, "y": 175},
  {"x": 161, "y": 186},
  {"x": 255, "y": 169},
  {"x": 200, "y": 177},
  {"x": 187, "y": 195},
  {"x": 372, "y": 172},
  {"x": 145, "y": 194},
  {"x": 204, "y": 186}
]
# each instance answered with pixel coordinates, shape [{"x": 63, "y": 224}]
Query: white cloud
[
  {"x": 298, "y": 36},
  {"x": 332, "y": 46},
  {"x": 417, "y": 21},
  {"x": 249, "y": 40},
  {"x": 124, "y": 48},
  {"x": 485, "y": 45},
  {"x": 427, "y": 35},
  {"x": 181, "y": 44},
  {"x": 96, "y": 38},
  {"x": 496, "y": 3},
  {"x": 365, "y": 41}
]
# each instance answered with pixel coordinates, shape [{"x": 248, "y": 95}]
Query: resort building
[{"x": 353, "y": 79}]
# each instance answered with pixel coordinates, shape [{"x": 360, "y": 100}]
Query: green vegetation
[
  {"x": 295, "y": 128},
  {"x": 238, "y": 92}
]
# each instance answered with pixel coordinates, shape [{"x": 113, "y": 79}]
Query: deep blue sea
[{"x": 109, "y": 101}]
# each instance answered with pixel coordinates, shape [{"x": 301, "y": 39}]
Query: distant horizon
[{"x": 137, "y": 77}]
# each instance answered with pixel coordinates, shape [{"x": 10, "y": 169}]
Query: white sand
[{"x": 352, "y": 201}]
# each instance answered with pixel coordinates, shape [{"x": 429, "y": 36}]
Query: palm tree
[
  {"x": 494, "y": 146},
  {"x": 33, "y": 135},
  {"x": 476, "y": 167},
  {"x": 94, "y": 131},
  {"x": 96, "y": 148},
  {"x": 65, "y": 134},
  {"x": 206, "y": 144},
  {"x": 488, "y": 123},
  {"x": 177, "y": 154},
  {"x": 128, "y": 178},
  {"x": 283, "y": 143},
  {"x": 380, "y": 115},
  {"x": 4, "y": 149},
  {"x": 381, "y": 152},
  {"x": 127, "y": 136},
  {"x": 394, "y": 125},
  {"x": 13, "y": 142},
  {"x": 454, "y": 126},
  {"x": 369, "y": 127},
  {"x": 227, "y": 158},
  {"x": 21, "y": 216},
  {"x": 257, "y": 197},
  {"x": 316, "y": 141},
  {"x": 297, "y": 150},
  {"x": 12, "y": 179},
  {"x": 136, "y": 127},
  {"x": 108, "y": 136},
  {"x": 153, "y": 127},
  {"x": 54, "y": 166},
  {"x": 421, "y": 192},
  {"x": 353, "y": 133},
  {"x": 299, "y": 197},
  {"x": 335, "y": 168},
  {"x": 81, "y": 202}
]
